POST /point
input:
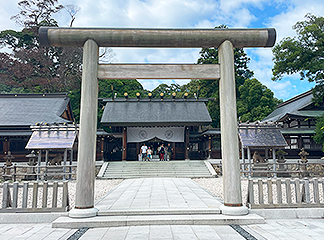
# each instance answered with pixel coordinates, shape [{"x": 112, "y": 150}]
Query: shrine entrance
[{"x": 93, "y": 38}]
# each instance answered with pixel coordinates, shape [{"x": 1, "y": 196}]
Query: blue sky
[{"x": 280, "y": 14}]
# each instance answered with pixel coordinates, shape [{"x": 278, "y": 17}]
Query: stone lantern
[
  {"x": 303, "y": 159},
  {"x": 32, "y": 158},
  {"x": 8, "y": 158},
  {"x": 32, "y": 161}
]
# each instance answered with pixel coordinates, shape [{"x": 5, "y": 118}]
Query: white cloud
[{"x": 185, "y": 14}]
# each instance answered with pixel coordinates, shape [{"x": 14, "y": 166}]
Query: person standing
[
  {"x": 162, "y": 152},
  {"x": 143, "y": 151},
  {"x": 149, "y": 154},
  {"x": 169, "y": 152}
]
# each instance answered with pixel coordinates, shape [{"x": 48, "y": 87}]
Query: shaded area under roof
[
  {"x": 252, "y": 135},
  {"x": 155, "y": 113},
  {"x": 29, "y": 109},
  {"x": 297, "y": 131},
  {"x": 16, "y": 133},
  {"x": 292, "y": 105}
]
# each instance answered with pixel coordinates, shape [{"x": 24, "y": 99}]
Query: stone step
[
  {"x": 152, "y": 211},
  {"x": 142, "y": 220},
  {"x": 156, "y": 170},
  {"x": 157, "y": 174},
  {"x": 142, "y": 169},
  {"x": 154, "y": 176}
]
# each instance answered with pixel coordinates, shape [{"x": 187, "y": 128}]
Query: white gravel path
[{"x": 215, "y": 186}]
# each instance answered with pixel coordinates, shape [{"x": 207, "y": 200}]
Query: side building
[
  {"x": 20, "y": 111},
  {"x": 297, "y": 117}
]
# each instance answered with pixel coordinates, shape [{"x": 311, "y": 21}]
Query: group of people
[{"x": 164, "y": 153}]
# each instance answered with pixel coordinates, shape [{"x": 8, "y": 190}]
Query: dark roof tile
[
  {"x": 155, "y": 113},
  {"x": 29, "y": 109}
]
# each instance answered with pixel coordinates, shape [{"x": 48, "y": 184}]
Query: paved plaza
[{"x": 163, "y": 208}]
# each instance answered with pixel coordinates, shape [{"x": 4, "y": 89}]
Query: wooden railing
[
  {"x": 34, "y": 197},
  {"x": 285, "y": 193}
]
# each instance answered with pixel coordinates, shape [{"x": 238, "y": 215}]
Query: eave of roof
[
  {"x": 292, "y": 105},
  {"x": 297, "y": 131}
]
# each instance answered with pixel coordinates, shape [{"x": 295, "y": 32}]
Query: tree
[
  {"x": 319, "y": 131},
  {"x": 210, "y": 88},
  {"x": 303, "y": 54},
  {"x": 166, "y": 89},
  {"x": 241, "y": 61},
  {"x": 72, "y": 11},
  {"x": 256, "y": 101},
  {"x": 36, "y": 12}
]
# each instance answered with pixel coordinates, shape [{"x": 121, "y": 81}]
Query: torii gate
[{"x": 93, "y": 38}]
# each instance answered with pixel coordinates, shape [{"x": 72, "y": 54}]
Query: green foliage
[
  {"x": 303, "y": 54},
  {"x": 75, "y": 97},
  {"x": 210, "y": 88},
  {"x": 35, "y": 12},
  {"x": 14, "y": 39},
  {"x": 256, "y": 101},
  {"x": 120, "y": 86},
  {"x": 241, "y": 61},
  {"x": 319, "y": 131},
  {"x": 167, "y": 90}
]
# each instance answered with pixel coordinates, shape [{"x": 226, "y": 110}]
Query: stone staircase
[{"x": 144, "y": 169}]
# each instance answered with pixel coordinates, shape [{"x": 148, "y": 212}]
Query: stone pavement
[
  {"x": 282, "y": 229},
  {"x": 158, "y": 201}
]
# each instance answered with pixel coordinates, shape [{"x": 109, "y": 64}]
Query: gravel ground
[{"x": 215, "y": 186}]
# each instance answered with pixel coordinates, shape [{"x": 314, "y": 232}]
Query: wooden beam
[
  {"x": 170, "y": 38},
  {"x": 158, "y": 71}
]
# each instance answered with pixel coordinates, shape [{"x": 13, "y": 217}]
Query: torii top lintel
[{"x": 155, "y": 38}]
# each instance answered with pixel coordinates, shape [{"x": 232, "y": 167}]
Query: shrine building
[
  {"x": 20, "y": 111},
  {"x": 182, "y": 123}
]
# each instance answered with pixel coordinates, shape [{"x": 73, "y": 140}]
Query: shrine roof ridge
[
  {"x": 33, "y": 95},
  {"x": 146, "y": 99}
]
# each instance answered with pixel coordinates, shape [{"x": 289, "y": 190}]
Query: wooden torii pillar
[{"x": 93, "y": 38}]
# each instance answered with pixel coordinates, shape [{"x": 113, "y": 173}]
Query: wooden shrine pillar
[
  {"x": 174, "y": 150},
  {"x": 124, "y": 144},
  {"x": 209, "y": 146},
  {"x": 186, "y": 143},
  {"x": 6, "y": 146}
]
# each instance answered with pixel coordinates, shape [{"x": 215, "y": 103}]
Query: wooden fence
[
  {"x": 285, "y": 193},
  {"x": 34, "y": 197}
]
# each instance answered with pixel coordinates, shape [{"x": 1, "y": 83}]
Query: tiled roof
[
  {"x": 294, "y": 106},
  {"x": 155, "y": 113},
  {"x": 29, "y": 109},
  {"x": 253, "y": 135}
]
